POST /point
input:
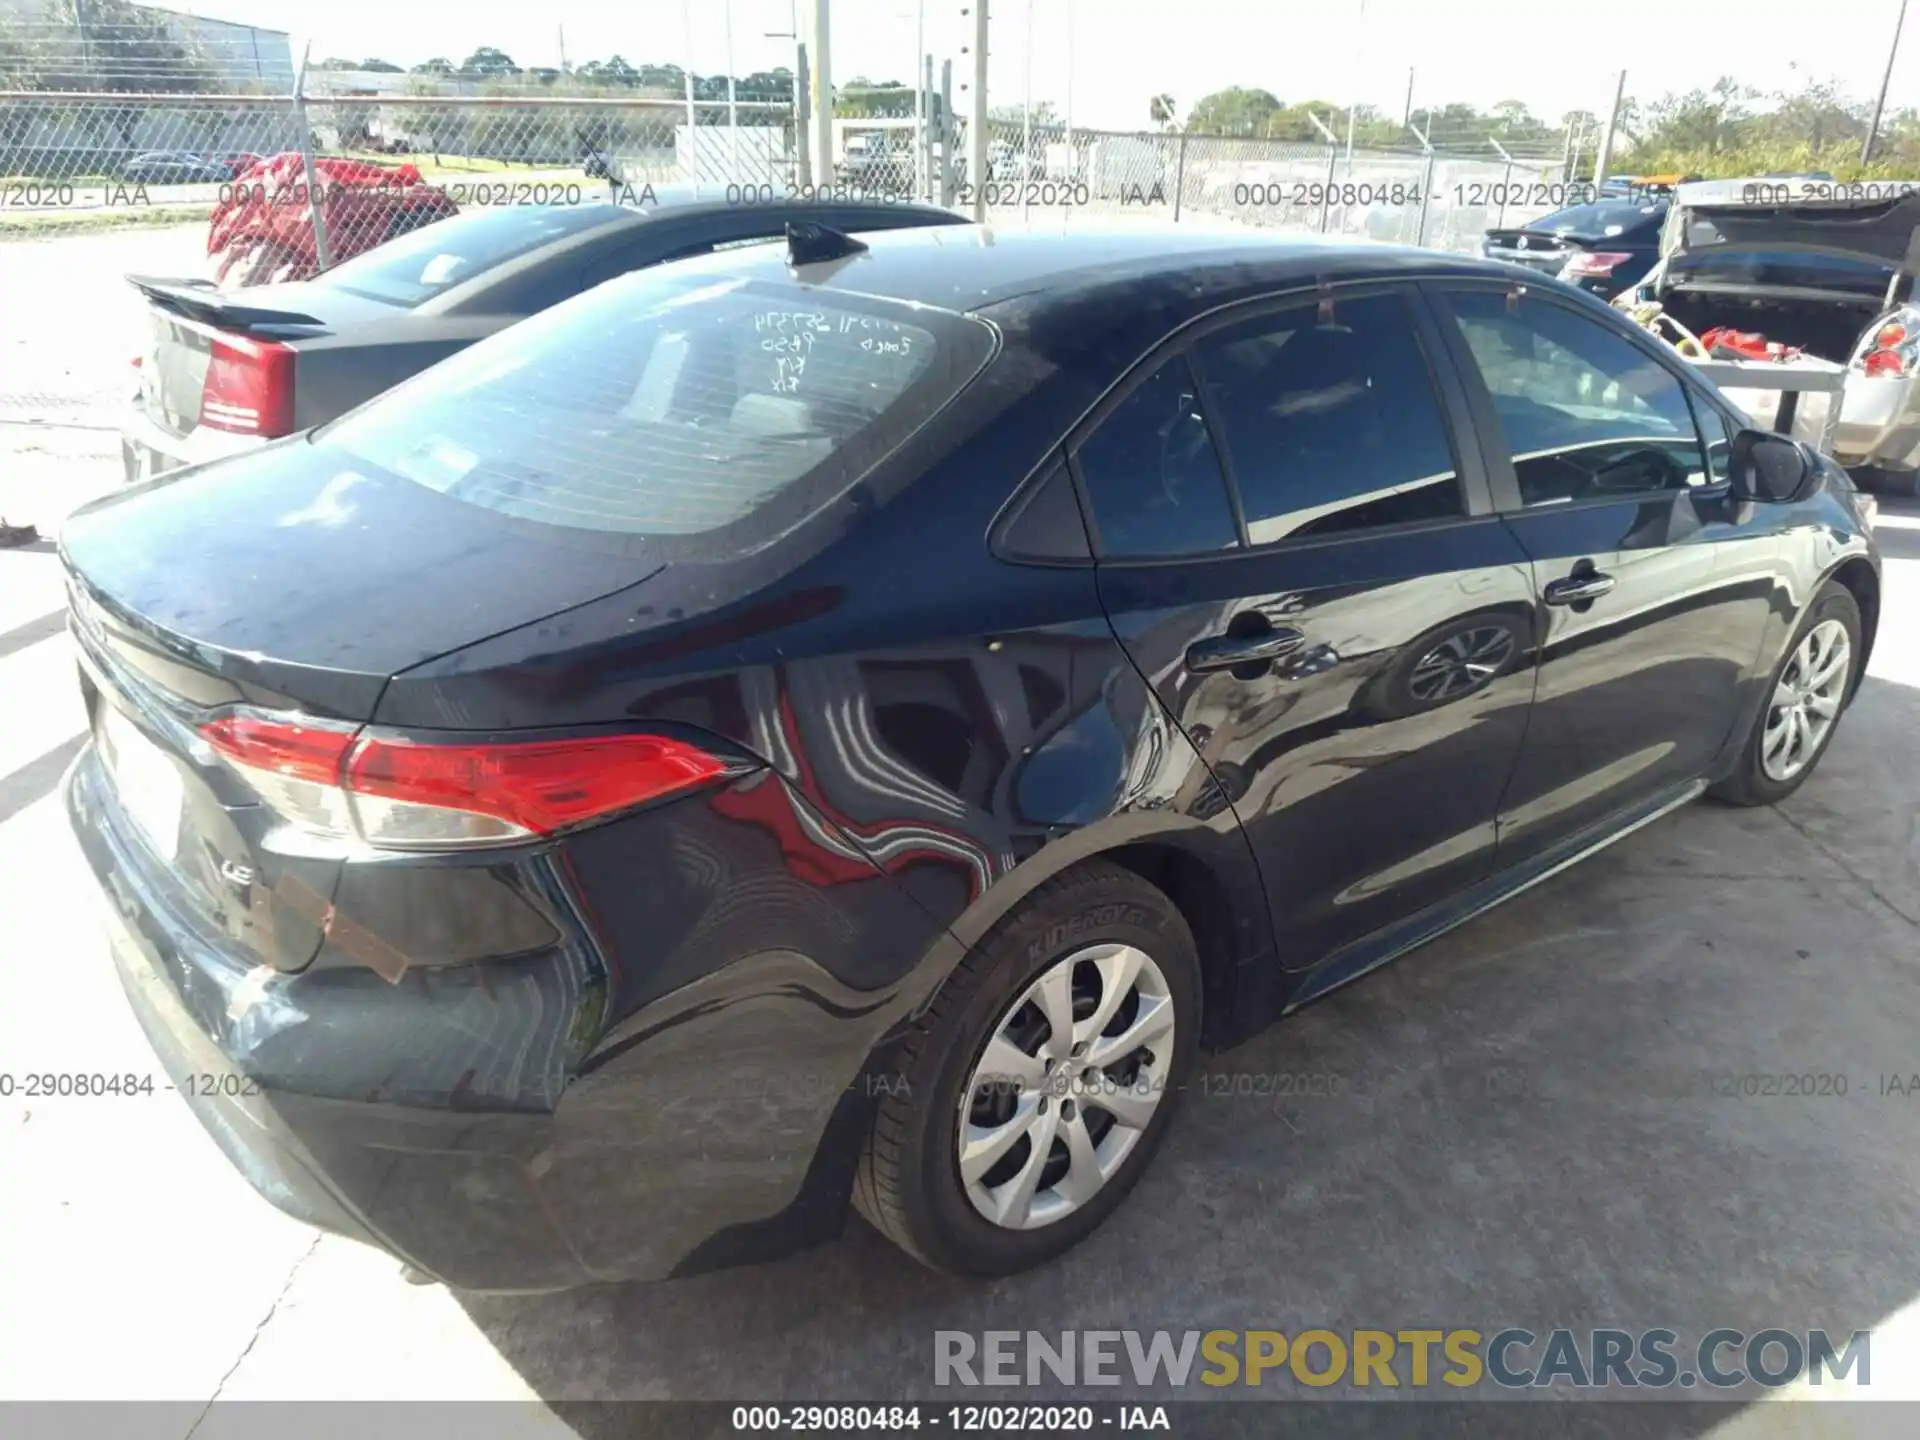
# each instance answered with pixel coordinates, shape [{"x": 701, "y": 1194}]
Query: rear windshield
[
  {"x": 1604, "y": 219},
  {"x": 412, "y": 268},
  {"x": 665, "y": 405}
]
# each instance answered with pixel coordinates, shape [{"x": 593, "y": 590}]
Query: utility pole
[
  {"x": 1026, "y": 119},
  {"x": 922, "y": 83},
  {"x": 977, "y": 126},
  {"x": 1073, "y": 163},
  {"x": 1880, "y": 104},
  {"x": 802, "y": 120},
  {"x": 1605, "y": 153},
  {"x": 1359, "y": 45},
  {"x": 690, "y": 166},
  {"x": 822, "y": 93},
  {"x": 733, "y": 107},
  {"x": 563, "y": 50}
]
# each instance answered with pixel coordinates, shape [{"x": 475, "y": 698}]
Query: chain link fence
[{"x": 270, "y": 188}]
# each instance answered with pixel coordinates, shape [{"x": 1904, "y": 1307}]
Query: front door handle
[
  {"x": 1225, "y": 652},
  {"x": 1580, "y": 586}
]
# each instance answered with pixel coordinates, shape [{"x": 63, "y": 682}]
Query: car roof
[{"x": 973, "y": 267}]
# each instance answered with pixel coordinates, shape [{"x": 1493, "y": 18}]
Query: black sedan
[
  {"x": 226, "y": 371},
  {"x": 175, "y": 167},
  {"x": 1605, "y": 246},
  {"x": 843, "y": 726}
]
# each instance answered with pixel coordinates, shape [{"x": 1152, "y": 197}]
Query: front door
[
  {"x": 1297, "y": 548},
  {"x": 1654, "y": 583}
]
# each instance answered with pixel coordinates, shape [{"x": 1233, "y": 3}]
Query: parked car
[
  {"x": 868, "y": 165},
  {"x": 1821, "y": 266},
  {"x": 845, "y": 724},
  {"x": 1603, "y": 246},
  {"x": 227, "y": 371},
  {"x": 262, "y": 232},
  {"x": 175, "y": 167}
]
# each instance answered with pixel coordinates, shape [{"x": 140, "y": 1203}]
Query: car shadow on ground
[{"x": 1540, "y": 1120}]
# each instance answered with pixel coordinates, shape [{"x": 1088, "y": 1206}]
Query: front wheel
[
  {"x": 1040, "y": 1080},
  {"x": 1809, "y": 689}
]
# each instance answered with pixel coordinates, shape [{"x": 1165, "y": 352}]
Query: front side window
[
  {"x": 1329, "y": 419},
  {"x": 664, "y": 406},
  {"x": 1586, "y": 414},
  {"x": 1152, "y": 476}
]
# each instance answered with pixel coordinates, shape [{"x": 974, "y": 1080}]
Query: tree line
[{"x": 1725, "y": 129}]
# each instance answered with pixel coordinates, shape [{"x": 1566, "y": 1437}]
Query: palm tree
[{"x": 1162, "y": 109}]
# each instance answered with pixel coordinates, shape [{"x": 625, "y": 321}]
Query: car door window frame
[
  {"x": 1497, "y": 452},
  {"x": 1471, "y": 470}
]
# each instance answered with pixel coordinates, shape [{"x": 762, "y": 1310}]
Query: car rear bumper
[
  {"x": 1879, "y": 422},
  {"x": 716, "y": 1125},
  {"x": 148, "y": 449}
]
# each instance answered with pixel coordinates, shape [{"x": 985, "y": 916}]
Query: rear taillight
[
  {"x": 1892, "y": 347},
  {"x": 408, "y": 793},
  {"x": 1592, "y": 263},
  {"x": 249, "y": 386}
]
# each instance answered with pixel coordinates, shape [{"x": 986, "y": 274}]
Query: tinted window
[
  {"x": 418, "y": 265},
  {"x": 658, "y": 405},
  {"x": 1152, "y": 475},
  {"x": 1329, "y": 420},
  {"x": 1585, "y": 412}
]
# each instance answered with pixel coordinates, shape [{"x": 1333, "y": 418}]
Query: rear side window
[
  {"x": 414, "y": 267},
  {"x": 663, "y": 406},
  {"x": 1152, "y": 475},
  {"x": 1329, "y": 419}
]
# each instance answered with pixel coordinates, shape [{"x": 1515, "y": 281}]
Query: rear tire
[
  {"x": 1779, "y": 752},
  {"x": 1098, "y": 939}
]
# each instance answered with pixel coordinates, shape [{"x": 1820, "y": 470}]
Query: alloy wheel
[
  {"x": 1806, "y": 701},
  {"x": 1066, "y": 1085}
]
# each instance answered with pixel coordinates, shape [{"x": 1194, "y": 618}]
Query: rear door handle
[
  {"x": 1586, "y": 585},
  {"x": 1224, "y": 652}
]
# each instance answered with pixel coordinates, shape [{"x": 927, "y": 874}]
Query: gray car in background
[{"x": 228, "y": 371}]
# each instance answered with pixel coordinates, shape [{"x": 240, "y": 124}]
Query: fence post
[
  {"x": 316, "y": 203},
  {"x": 1506, "y": 180},
  {"x": 1179, "y": 172},
  {"x": 1326, "y": 196},
  {"x": 1426, "y": 198}
]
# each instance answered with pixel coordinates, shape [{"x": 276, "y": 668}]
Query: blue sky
[{"x": 1554, "y": 56}]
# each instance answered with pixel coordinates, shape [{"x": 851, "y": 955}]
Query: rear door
[
  {"x": 1654, "y": 583},
  {"x": 1297, "y": 548}
]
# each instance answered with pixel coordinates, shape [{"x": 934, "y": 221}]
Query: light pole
[
  {"x": 977, "y": 127},
  {"x": 1873, "y": 130}
]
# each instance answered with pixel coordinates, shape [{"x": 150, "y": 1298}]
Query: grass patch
[{"x": 40, "y": 224}]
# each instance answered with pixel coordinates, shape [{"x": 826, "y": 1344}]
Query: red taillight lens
[
  {"x": 249, "y": 387},
  {"x": 531, "y": 787},
  {"x": 1889, "y": 336},
  {"x": 310, "y": 750},
  {"x": 1884, "y": 362},
  {"x": 410, "y": 794},
  {"x": 1593, "y": 262}
]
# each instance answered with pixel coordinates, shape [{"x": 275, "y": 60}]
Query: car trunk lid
[
  {"x": 1793, "y": 240},
  {"x": 280, "y": 581},
  {"x": 192, "y": 326}
]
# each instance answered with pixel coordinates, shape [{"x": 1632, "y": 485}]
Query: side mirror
[{"x": 1770, "y": 468}]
